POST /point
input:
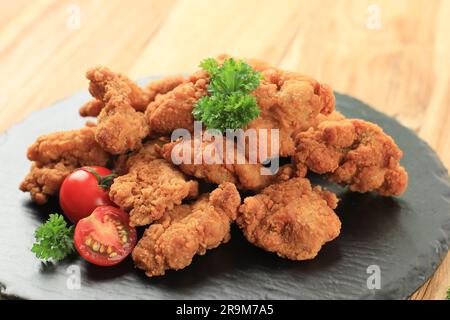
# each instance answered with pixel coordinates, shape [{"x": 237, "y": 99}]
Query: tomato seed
[{"x": 96, "y": 246}]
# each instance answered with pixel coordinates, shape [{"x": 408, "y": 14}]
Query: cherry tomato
[
  {"x": 84, "y": 190},
  {"x": 105, "y": 238}
]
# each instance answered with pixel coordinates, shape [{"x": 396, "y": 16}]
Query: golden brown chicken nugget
[
  {"x": 352, "y": 152},
  {"x": 56, "y": 155},
  {"x": 187, "y": 230},
  {"x": 290, "y": 218},
  {"x": 151, "y": 188}
]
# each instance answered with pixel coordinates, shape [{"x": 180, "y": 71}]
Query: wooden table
[{"x": 392, "y": 54}]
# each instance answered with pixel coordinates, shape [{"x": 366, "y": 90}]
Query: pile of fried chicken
[{"x": 283, "y": 212}]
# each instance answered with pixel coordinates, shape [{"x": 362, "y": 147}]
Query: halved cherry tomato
[
  {"x": 105, "y": 238},
  {"x": 84, "y": 190}
]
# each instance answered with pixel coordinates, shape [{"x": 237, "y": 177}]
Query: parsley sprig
[
  {"x": 54, "y": 239},
  {"x": 229, "y": 104}
]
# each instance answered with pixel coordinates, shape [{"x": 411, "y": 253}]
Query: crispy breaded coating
[
  {"x": 139, "y": 97},
  {"x": 75, "y": 147},
  {"x": 173, "y": 110},
  {"x": 247, "y": 175},
  {"x": 164, "y": 85},
  {"x": 149, "y": 189},
  {"x": 187, "y": 230},
  {"x": 120, "y": 127},
  {"x": 353, "y": 152},
  {"x": 290, "y": 218},
  {"x": 334, "y": 116},
  {"x": 91, "y": 108},
  {"x": 158, "y": 181},
  {"x": 46, "y": 180},
  {"x": 101, "y": 86},
  {"x": 216, "y": 173},
  {"x": 55, "y": 156},
  {"x": 146, "y": 154},
  {"x": 290, "y": 102}
]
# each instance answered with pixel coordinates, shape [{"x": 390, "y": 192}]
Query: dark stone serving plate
[{"x": 406, "y": 237}]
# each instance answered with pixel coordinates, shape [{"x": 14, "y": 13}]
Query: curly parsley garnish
[
  {"x": 54, "y": 239},
  {"x": 229, "y": 104}
]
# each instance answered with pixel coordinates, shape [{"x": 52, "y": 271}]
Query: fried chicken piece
[
  {"x": 120, "y": 127},
  {"x": 139, "y": 97},
  {"x": 55, "y": 156},
  {"x": 334, "y": 116},
  {"x": 146, "y": 154},
  {"x": 200, "y": 162},
  {"x": 187, "y": 230},
  {"x": 353, "y": 152},
  {"x": 164, "y": 85},
  {"x": 91, "y": 108},
  {"x": 45, "y": 181},
  {"x": 290, "y": 102},
  {"x": 173, "y": 110},
  {"x": 102, "y": 80},
  {"x": 290, "y": 218},
  {"x": 74, "y": 146},
  {"x": 149, "y": 189},
  {"x": 144, "y": 180}
]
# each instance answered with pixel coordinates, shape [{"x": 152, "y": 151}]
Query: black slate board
[{"x": 406, "y": 237}]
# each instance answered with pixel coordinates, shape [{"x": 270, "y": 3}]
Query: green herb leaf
[
  {"x": 210, "y": 65},
  {"x": 229, "y": 104},
  {"x": 448, "y": 294},
  {"x": 232, "y": 76},
  {"x": 54, "y": 239},
  {"x": 226, "y": 111}
]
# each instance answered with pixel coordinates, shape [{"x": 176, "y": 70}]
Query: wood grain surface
[{"x": 393, "y": 55}]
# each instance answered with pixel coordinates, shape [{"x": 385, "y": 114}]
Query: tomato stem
[{"x": 103, "y": 182}]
